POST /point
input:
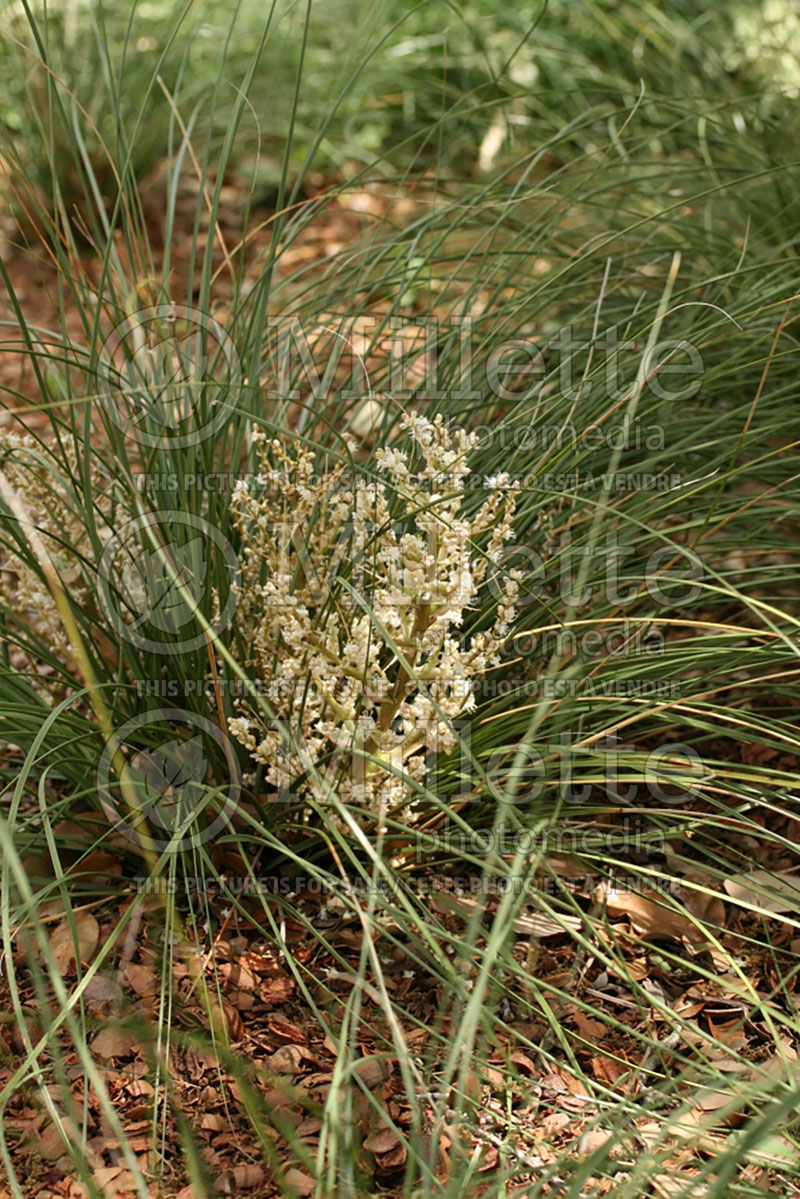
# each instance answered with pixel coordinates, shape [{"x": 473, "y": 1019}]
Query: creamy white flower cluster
[
  {"x": 43, "y": 485},
  {"x": 352, "y": 594}
]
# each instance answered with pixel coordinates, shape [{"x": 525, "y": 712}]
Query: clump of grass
[{"x": 649, "y": 663}]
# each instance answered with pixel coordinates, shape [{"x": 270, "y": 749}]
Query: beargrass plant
[
  {"x": 518, "y": 463},
  {"x": 392, "y": 697}
]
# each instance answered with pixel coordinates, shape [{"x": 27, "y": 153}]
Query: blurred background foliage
[{"x": 467, "y": 86}]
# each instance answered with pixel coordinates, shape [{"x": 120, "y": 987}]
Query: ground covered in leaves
[{"x": 526, "y": 1102}]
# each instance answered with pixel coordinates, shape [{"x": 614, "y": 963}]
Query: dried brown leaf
[
  {"x": 62, "y": 946},
  {"x": 141, "y": 979},
  {"x": 276, "y": 991},
  {"x": 102, "y": 995},
  {"x": 373, "y": 1071},
  {"x": 113, "y": 1041},
  {"x": 650, "y": 918},
  {"x": 381, "y": 1141},
  {"x": 298, "y": 1181},
  {"x": 288, "y": 1059},
  {"x": 240, "y": 1178},
  {"x": 767, "y": 891},
  {"x": 286, "y": 1030},
  {"x": 211, "y": 1122}
]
